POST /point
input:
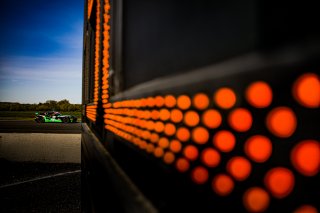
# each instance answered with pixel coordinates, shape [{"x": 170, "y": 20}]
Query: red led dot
[
  {"x": 191, "y": 152},
  {"x": 305, "y": 157},
  {"x": 239, "y": 168},
  {"x": 306, "y": 90},
  {"x": 184, "y": 102},
  {"x": 282, "y": 122},
  {"x": 225, "y": 98},
  {"x": 168, "y": 157},
  {"x": 240, "y": 119},
  {"x": 259, "y": 94},
  {"x": 256, "y": 199},
  {"x": 182, "y": 165},
  {"x": 183, "y": 134},
  {"x": 279, "y": 181},
  {"x": 210, "y": 157},
  {"x": 199, "y": 175},
  {"x": 201, "y": 101},
  {"x": 200, "y": 135},
  {"x": 306, "y": 209},
  {"x": 170, "y": 101},
  {"x": 222, "y": 184},
  {"x": 224, "y": 141},
  {"x": 176, "y": 116},
  {"x": 258, "y": 148},
  {"x": 191, "y": 118},
  {"x": 211, "y": 118}
]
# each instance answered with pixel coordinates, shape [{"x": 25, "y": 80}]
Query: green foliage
[{"x": 63, "y": 105}]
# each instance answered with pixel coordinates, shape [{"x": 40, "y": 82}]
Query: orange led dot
[
  {"x": 143, "y": 102},
  {"x": 279, "y": 181},
  {"x": 169, "y": 129},
  {"x": 200, "y": 135},
  {"x": 135, "y": 140},
  {"x": 182, "y": 165},
  {"x": 184, "y": 102},
  {"x": 282, "y": 122},
  {"x": 306, "y": 209},
  {"x": 158, "y": 152},
  {"x": 154, "y": 137},
  {"x": 199, "y": 175},
  {"x": 142, "y": 123},
  {"x": 183, "y": 134},
  {"x": 200, "y": 101},
  {"x": 305, "y": 157},
  {"x": 155, "y": 114},
  {"x": 151, "y": 102},
  {"x": 175, "y": 146},
  {"x": 159, "y": 126},
  {"x": 176, "y": 116},
  {"x": 168, "y": 157},
  {"x": 259, "y": 94},
  {"x": 191, "y": 118},
  {"x": 146, "y": 114},
  {"x": 222, "y": 184},
  {"x": 150, "y": 125},
  {"x": 164, "y": 114},
  {"x": 210, "y": 157},
  {"x": 170, "y": 101},
  {"x": 240, "y": 119},
  {"x": 150, "y": 148},
  {"x": 258, "y": 148},
  {"x": 163, "y": 143},
  {"x": 256, "y": 199},
  {"x": 140, "y": 114},
  {"x": 225, "y": 98},
  {"x": 159, "y": 101},
  {"x": 146, "y": 134},
  {"x": 143, "y": 144},
  {"x": 191, "y": 152},
  {"x": 224, "y": 141},
  {"x": 211, "y": 118},
  {"x": 239, "y": 168},
  {"x": 306, "y": 90}
]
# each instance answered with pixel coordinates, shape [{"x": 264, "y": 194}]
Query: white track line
[{"x": 40, "y": 178}]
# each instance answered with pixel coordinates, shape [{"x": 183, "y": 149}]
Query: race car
[{"x": 54, "y": 117}]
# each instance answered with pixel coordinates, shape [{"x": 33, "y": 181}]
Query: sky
[{"x": 41, "y": 50}]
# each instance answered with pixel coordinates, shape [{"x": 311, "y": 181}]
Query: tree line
[{"x": 63, "y": 105}]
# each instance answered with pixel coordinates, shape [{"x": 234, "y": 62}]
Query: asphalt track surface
[
  {"x": 36, "y": 186},
  {"x": 10, "y": 126},
  {"x": 39, "y": 187}
]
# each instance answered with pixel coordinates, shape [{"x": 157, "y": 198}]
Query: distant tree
[
  {"x": 63, "y": 105},
  {"x": 52, "y": 104},
  {"x": 71, "y": 107},
  {"x": 43, "y": 107},
  {"x": 64, "y": 101},
  {"x": 15, "y": 107},
  {"x": 4, "y": 107},
  {"x": 77, "y": 107},
  {"x": 32, "y": 107}
]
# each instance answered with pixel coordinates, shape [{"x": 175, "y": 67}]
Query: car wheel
[{"x": 65, "y": 120}]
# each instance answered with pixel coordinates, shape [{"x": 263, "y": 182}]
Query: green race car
[{"x": 54, "y": 117}]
